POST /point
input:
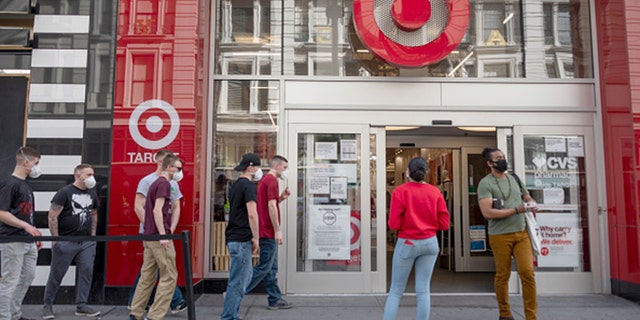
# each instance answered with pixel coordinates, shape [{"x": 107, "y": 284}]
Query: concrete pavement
[{"x": 370, "y": 307}]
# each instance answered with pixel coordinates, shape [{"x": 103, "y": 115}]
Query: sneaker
[
  {"x": 47, "y": 312},
  {"x": 87, "y": 312},
  {"x": 281, "y": 304},
  {"x": 128, "y": 307},
  {"x": 181, "y": 307}
]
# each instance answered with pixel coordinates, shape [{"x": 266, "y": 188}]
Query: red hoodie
[{"x": 418, "y": 210}]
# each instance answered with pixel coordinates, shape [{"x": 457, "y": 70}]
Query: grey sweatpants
[
  {"x": 62, "y": 254},
  {"x": 18, "y": 271}
]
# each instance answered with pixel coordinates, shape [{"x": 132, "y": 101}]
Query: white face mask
[
  {"x": 35, "y": 172},
  {"x": 90, "y": 182},
  {"x": 178, "y": 176},
  {"x": 284, "y": 174},
  {"x": 407, "y": 174},
  {"x": 257, "y": 175}
]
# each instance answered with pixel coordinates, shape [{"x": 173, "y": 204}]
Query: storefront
[
  {"x": 307, "y": 84},
  {"x": 348, "y": 92}
]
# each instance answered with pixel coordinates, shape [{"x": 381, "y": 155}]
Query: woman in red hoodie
[{"x": 418, "y": 210}]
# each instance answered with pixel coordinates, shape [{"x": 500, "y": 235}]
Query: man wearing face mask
[
  {"x": 242, "y": 233},
  {"x": 73, "y": 212},
  {"x": 16, "y": 219},
  {"x": 269, "y": 197},
  {"x": 178, "y": 303},
  {"x": 158, "y": 255},
  {"x": 500, "y": 197}
]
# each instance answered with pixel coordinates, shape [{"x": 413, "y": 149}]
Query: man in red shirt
[{"x": 269, "y": 197}]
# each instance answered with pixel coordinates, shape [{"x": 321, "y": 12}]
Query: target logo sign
[
  {"x": 411, "y": 33},
  {"x": 160, "y": 121}
]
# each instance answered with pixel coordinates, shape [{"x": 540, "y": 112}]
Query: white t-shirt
[{"x": 145, "y": 183}]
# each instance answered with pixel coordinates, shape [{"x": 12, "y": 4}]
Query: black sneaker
[
  {"x": 181, "y": 307},
  {"x": 281, "y": 304}
]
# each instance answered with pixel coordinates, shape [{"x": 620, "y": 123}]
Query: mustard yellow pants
[{"x": 518, "y": 246}]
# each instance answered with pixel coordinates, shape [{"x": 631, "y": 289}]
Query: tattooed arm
[
  {"x": 54, "y": 212},
  {"x": 94, "y": 221}
]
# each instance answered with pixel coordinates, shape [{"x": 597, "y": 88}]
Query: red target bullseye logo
[
  {"x": 153, "y": 116},
  {"x": 411, "y": 33}
]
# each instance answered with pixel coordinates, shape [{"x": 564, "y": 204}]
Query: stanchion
[{"x": 188, "y": 275}]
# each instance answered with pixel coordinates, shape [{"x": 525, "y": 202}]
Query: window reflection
[
  {"x": 317, "y": 38},
  {"x": 246, "y": 120}
]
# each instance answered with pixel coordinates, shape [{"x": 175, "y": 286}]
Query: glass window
[
  {"x": 319, "y": 39},
  {"x": 249, "y": 41},
  {"x": 555, "y": 174},
  {"x": 328, "y": 201},
  {"x": 246, "y": 120}
]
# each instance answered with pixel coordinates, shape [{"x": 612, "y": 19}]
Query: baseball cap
[{"x": 247, "y": 160}]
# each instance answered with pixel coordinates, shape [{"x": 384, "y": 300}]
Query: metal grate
[{"x": 429, "y": 31}]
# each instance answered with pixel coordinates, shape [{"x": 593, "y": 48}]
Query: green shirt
[{"x": 510, "y": 192}]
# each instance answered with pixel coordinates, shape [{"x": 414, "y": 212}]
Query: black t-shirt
[
  {"x": 238, "y": 229},
  {"x": 77, "y": 204},
  {"x": 16, "y": 196}
]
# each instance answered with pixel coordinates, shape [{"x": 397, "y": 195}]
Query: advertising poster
[
  {"x": 329, "y": 232},
  {"x": 561, "y": 238}
]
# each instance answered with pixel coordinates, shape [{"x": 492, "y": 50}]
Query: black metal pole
[{"x": 188, "y": 275}]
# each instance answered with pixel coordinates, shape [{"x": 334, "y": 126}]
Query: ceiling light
[
  {"x": 399, "y": 128},
  {"x": 478, "y": 129}
]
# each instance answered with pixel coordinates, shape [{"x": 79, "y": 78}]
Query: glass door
[
  {"x": 334, "y": 240},
  {"x": 473, "y": 227},
  {"x": 557, "y": 166}
]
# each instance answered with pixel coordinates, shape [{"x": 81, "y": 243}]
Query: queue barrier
[{"x": 184, "y": 236}]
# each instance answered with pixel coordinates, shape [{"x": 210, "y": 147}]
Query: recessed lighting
[
  {"x": 478, "y": 129},
  {"x": 399, "y": 128}
]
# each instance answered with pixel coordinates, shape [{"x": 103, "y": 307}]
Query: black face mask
[{"x": 500, "y": 165}]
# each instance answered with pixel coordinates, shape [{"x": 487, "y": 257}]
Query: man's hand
[
  {"x": 165, "y": 243},
  {"x": 33, "y": 231},
  {"x": 255, "y": 245},
  {"x": 39, "y": 245},
  {"x": 278, "y": 237},
  {"x": 285, "y": 194}
]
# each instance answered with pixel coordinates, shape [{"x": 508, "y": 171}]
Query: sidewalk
[{"x": 369, "y": 307}]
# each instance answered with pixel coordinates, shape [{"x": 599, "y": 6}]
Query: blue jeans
[
  {"x": 267, "y": 270},
  {"x": 423, "y": 253},
  {"x": 176, "y": 300},
  {"x": 239, "y": 276}
]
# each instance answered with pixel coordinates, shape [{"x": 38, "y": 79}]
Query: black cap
[{"x": 249, "y": 159}]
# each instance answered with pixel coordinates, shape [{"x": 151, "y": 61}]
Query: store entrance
[{"x": 465, "y": 264}]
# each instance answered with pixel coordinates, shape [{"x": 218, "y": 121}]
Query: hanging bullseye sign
[{"x": 411, "y": 33}]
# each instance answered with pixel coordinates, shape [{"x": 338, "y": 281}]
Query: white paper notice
[
  {"x": 561, "y": 240},
  {"x": 338, "y": 188},
  {"x": 553, "y": 195},
  {"x": 555, "y": 144},
  {"x": 349, "y": 170},
  {"x": 327, "y": 150},
  {"x": 329, "y": 232},
  {"x": 348, "y": 150},
  {"x": 318, "y": 185},
  {"x": 576, "y": 147}
]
